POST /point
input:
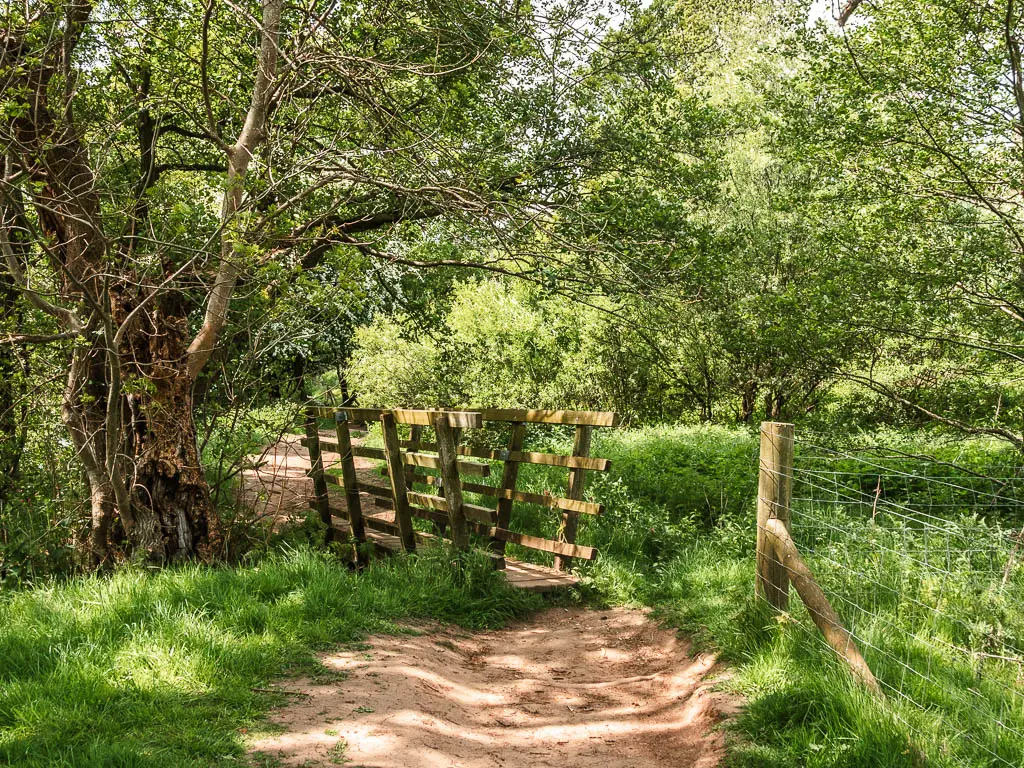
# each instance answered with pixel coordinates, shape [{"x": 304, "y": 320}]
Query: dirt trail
[
  {"x": 280, "y": 488},
  {"x": 571, "y": 688}
]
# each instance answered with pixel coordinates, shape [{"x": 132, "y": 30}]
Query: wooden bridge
[{"x": 426, "y": 480}]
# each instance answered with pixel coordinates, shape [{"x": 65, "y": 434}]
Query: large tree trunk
[
  {"x": 174, "y": 517},
  {"x": 170, "y": 498}
]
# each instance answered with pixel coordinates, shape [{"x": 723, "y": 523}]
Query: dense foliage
[{"x": 699, "y": 215}]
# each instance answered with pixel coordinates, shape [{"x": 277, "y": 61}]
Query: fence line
[{"x": 931, "y": 592}]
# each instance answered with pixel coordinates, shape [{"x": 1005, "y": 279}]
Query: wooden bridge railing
[{"x": 440, "y": 466}]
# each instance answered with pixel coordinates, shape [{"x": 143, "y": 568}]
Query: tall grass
[{"x": 927, "y": 602}]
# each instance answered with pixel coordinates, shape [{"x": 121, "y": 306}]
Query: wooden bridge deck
[{"x": 528, "y": 576}]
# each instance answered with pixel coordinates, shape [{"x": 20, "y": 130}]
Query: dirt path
[
  {"x": 280, "y": 488},
  {"x": 571, "y": 688}
]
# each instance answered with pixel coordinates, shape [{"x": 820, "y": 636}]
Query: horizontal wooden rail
[
  {"x": 373, "y": 490},
  {"x": 537, "y": 416},
  {"x": 433, "y": 462},
  {"x": 368, "y": 453},
  {"x": 422, "y": 418},
  {"x": 473, "y": 512},
  {"x": 527, "y": 457},
  {"x": 536, "y": 542},
  {"x": 412, "y": 459},
  {"x": 540, "y": 499},
  {"x": 529, "y": 416}
]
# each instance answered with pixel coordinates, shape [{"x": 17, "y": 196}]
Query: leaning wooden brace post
[
  {"x": 570, "y": 519},
  {"x": 316, "y": 473},
  {"x": 824, "y": 616},
  {"x": 774, "y": 492},
  {"x": 349, "y": 479},
  {"x": 396, "y": 471},
  {"x": 509, "y": 477},
  {"x": 451, "y": 485}
]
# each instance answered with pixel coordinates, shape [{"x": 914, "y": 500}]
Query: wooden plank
[
  {"x": 316, "y": 473},
  {"x": 412, "y": 459},
  {"x": 570, "y": 520},
  {"x": 509, "y": 475},
  {"x": 396, "y": 470},
  {"x": 348, "y": 474},
  {"x": 373, "y": 490},
  {"x": 591, "y": 418},
  {"x": 386, "y": 526},
  {"x": 433, "y": 462},
  {"x": 449, "y": 471},
  {"x": 423, "y": 418},
  {"x": 355, "y": 414},
  {"x": 535, "y": 542},
  {"x": 541, "y": 499},
  {"x": 369, "y": 453},
  {"x": 531, "y": 457},
  {"x": 323, "y": 412},
  {"x": 473, "y": 512}
]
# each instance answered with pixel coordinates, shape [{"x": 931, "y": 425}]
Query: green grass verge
[{"x": 160, "y": 669}]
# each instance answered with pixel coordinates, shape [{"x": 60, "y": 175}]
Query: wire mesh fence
[{"x": 923, "y": 563}]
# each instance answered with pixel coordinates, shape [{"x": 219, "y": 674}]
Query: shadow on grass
[{"x": 164, "y": 669}]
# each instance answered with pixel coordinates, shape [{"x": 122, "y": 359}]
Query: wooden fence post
[
  {"x": 774, "y": 493},
  {"x": 452, "y": 487},
  {"x": 509, "y": 477},
  {"x": 349, "y": 479},
  {"x": 396, "y": 471},
  {"x": 570, "y": 519},
  {"x": 316, "y": 473},
  {"x": 822, "y": 613}
]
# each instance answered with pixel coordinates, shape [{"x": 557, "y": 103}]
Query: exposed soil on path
[{"x": 571, "y": 688}]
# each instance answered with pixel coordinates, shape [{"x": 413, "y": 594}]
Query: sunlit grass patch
[{"x": 163, "y": 669}]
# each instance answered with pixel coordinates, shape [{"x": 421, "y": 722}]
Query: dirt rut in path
[{"x": 570, "y": 688}]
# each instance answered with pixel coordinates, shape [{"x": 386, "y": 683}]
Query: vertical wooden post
[
  {"x": 316, "y": 473},
  {"x": 415, "y": 438},
  {"x": 348, "y": 477},
  {"x": 509, "y": 477},
  {"x": 570, "y": 520},
  {"x": 774, "y": 493},
  {"x": 396, "y": 471},
  {"x": 451, "y": 485}
]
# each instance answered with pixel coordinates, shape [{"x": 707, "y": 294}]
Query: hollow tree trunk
[{"x": 173, "y": 516}]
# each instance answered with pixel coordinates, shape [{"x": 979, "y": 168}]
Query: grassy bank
[
  {"x": 165, "y": 669},
  {"x": 918, "y": 575}
]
